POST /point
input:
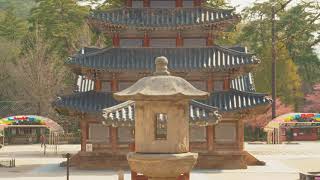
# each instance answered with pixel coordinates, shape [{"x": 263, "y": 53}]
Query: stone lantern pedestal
[
  {"x": 161, "y": 124},
  {"x": 162, "y": 166}
]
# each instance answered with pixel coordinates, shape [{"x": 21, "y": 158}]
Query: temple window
[
  {"x": 125, "y": 134},
  {"x": 218, "y": 85},
  {"x": 137, "y": 4},
  {"x": 194, "y": 42},
  {"x": 197, "y": 134},
  {"x": 162, "y": 4},
  {"x": 161, "y": 126},
  {"x": 105, "y": 86},
  {"x": 187, "y": 4},
  {"x": 163, "y": 43},
  {"x": 98, "y": 133},
  {"x": 131, "y": 43},
  {"x": 226, "y": 133}
]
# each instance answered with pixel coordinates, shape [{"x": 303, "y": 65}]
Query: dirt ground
[{"x": 283, "y": 162}]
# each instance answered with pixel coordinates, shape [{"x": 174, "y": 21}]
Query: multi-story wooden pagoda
[{"x": 184, "y": 31}]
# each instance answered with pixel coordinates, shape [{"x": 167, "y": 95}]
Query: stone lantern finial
[{"x": 161, "y": 66}]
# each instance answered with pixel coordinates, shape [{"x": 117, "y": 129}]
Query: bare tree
[{"x": 39, "y": 75}]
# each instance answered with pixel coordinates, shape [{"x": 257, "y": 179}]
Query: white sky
[{"x": 240, "y": 4}]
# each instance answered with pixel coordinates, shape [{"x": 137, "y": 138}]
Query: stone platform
[{"x": 216, "y": 160}]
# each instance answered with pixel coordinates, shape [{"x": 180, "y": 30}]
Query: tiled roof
[
  {"x": 123, "y": 114},
  {"x": 168, "y": 18},
  {"x": 88, "y": 102},
  {"x": 233, "y": 100},
  {"x": 243, "y": 83},
  {"x": 95, "y": 102},
  {"x": 213, "y": 58}
]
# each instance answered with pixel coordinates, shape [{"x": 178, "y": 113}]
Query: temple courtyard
[{"x": 284, "y": 162}]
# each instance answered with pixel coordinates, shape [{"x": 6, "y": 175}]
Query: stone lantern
[{"x": 161, "y": 123}]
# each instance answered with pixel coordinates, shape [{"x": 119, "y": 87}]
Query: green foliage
[
  {"x": 22, "y": 7},
  {"x": 296, "y": 33},
  {"x": 59, "y": 21},
  {"x": 288, "y": 79},
  {"x": 111, "y": 4},
  {"x": 12, "y": 27},
  {"x": 217, "y": 4}
]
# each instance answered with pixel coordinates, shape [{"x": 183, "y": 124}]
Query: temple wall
[
  {"x": 197, "y": 134},
  {"x": 129, "y": 43},
  {"x": 98, "y": 133},
  {"x": 162, "y": 4},
  {"x": 137, "y": 4},
  {"x": 226, "y": 136},
  {"x": 226, "y": 148},
  {"x": 226, "y": 133},
  {"x": 194, "y": 42},
  {"x": 162, "y": 43}
]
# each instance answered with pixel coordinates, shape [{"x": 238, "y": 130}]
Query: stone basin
[{"x": 162, "y": 166}]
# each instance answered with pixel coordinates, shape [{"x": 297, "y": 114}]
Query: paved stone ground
[{"x": 283, "y": 163}]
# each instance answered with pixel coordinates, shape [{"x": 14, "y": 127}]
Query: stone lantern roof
[{"x": 161, "y": 86}]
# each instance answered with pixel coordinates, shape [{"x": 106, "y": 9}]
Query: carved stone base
[{"x": 162, "y": 166}]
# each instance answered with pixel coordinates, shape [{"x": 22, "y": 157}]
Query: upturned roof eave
[
  {"x": 172, "y": 18},
  {"x": 119, "y": 26}
]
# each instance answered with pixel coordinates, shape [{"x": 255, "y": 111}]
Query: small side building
[
  {"x": 26, "y": 129},
  {"x": 294, "y": 127}
]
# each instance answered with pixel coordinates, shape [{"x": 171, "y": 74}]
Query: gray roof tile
[
  {"x": 95, "y": 102},
  {"x": 213, "y": 58},
  {"x": 169, "y": 18},
  {"x": 123, "y": 114}
]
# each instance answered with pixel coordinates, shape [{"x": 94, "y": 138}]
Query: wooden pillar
[
  {"x": 98, "y": 85},
  {"x": 116, "y": 40},
  {"x": 84, "y": 134},
  {"x": 179, "y": 3},
  {"x": 146, "y": 3},
  {"x": 226, "y": 84},
  {"x": 129, "y": 3},
  {"x": 179, "y": 40},
  {"x": 187, "y": 176},
  {"x": 210, "y": 138},
  {"x": 240, "y": 134},
  {"x": 210, "y": 84},
  {"x": 132, "y": 146},
  {"x": 114, "y": 84},
  {"x": 114, "y": 139},
  {"x": 196, "y": 3},
  {"x": 210, "y": 40},
  {"x": 134, "y": 175},
  {"x": 146, "y": 40}
]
